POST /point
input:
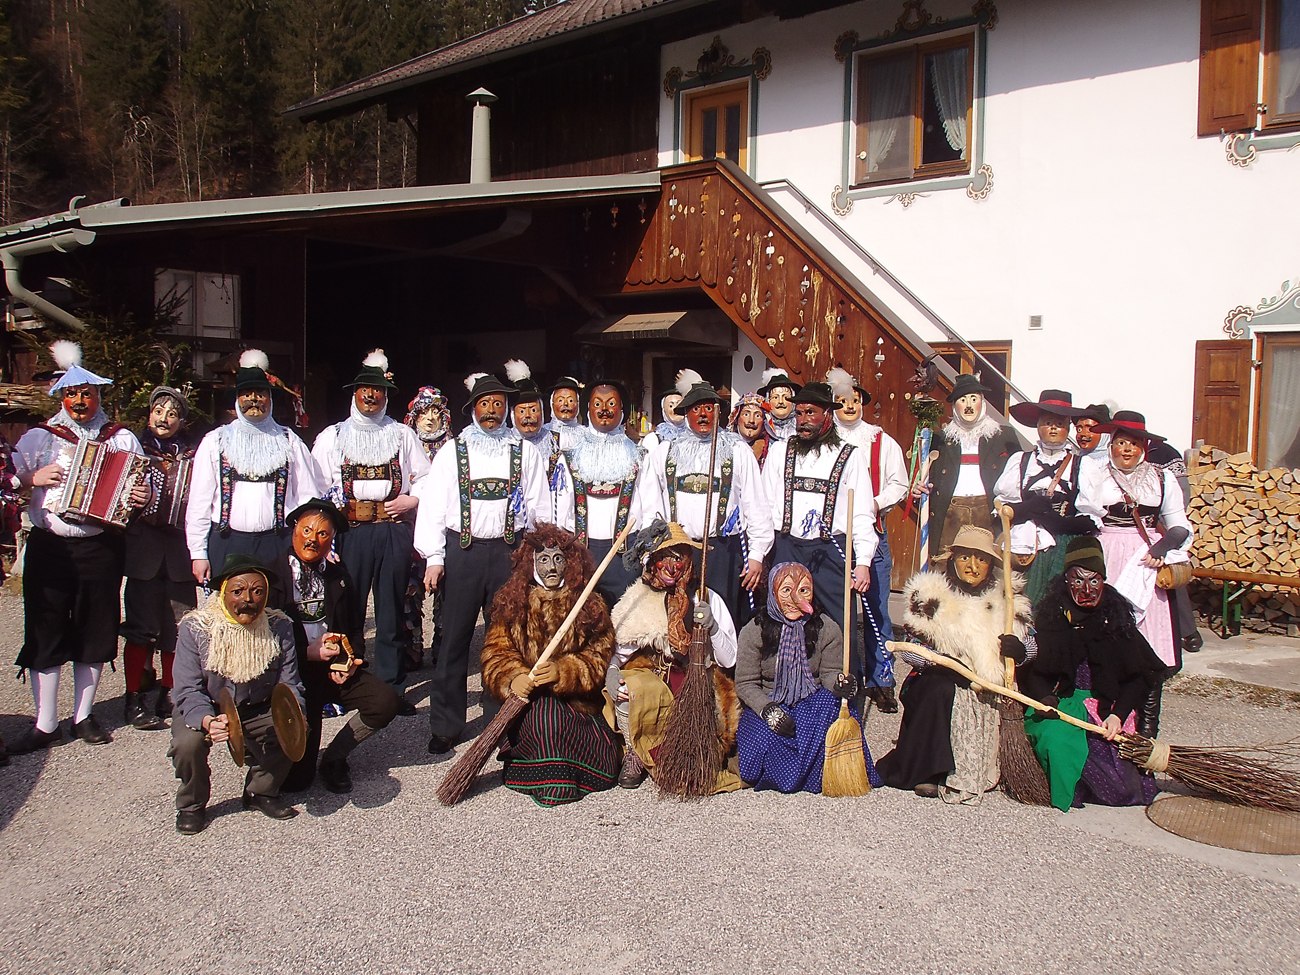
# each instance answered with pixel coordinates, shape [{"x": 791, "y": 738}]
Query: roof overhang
[{"x": 697, "y": 327}]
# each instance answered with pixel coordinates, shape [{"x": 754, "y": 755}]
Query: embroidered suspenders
[
  {"x": 699, "y": 484},
  {"x": 581, "y": 489},
  {"x": 391, "y": 472},
  {"x": 230, "y": 476},
  {"x": 829, "y": 488},
  {"x": 487, "y": 489}
]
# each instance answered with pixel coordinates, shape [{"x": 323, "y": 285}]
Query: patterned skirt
[
  {"x": 769, "y": 761},
  {"x": 558, "y": 754}
]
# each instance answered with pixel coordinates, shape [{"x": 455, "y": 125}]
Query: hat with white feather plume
[
  {"x": 694, "y": 390},
  {"x": 67, "y": 356},
  {"x": 842, "y": 384},
  {"x": 521, "y": 378},
  {"x": 374, "y": 372},
  {"x": 775, "y": 379},
  {"x": 253, "y": 371},
  {"x": 482, "y": 384}
]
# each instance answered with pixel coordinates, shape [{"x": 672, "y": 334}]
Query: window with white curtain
[
  {"x": 913, "y": 111},
  {"x": 1282, "y": 62},
  {"x": 1279, "y": 400}
]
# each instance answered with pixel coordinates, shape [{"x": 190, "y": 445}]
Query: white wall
[{"x": 1109, "y": 217}]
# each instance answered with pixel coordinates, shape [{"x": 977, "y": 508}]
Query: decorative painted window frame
[
  {"x": 1243, "y": 148},
  {"x": 716, "y": 67},
  {"x": 1279, "y": 313},
  {"x": 914, "y": 24}
]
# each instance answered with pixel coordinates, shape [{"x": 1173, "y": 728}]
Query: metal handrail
[{"x": 880, "y": 269}]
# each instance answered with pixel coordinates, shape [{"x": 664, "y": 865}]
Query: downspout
[{"x": 12, "y": 256}]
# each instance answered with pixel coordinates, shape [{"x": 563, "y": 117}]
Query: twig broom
[
  {"x": 1022, "y": 776},
  {"x": 844, "y": 769},
  {"x": 456, "y": 783},
  {"x": 1230, "y": 774}
]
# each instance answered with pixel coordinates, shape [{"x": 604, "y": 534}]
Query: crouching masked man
[
  {"x": 652, "y": 624},
  {"x": 563, "y": 748},
  {"x": 232, "y": 642},
  {"x": 324, "y": 615}
]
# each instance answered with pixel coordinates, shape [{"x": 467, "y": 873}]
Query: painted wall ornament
[{"x": 714, "y": 61}]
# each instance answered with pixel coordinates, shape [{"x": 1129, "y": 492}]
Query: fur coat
[
  {"x": 512, "y": 646},
  {"x": 959, "y": 625}
]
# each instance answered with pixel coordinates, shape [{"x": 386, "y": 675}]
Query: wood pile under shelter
[{"x": 1246, "y": 520}]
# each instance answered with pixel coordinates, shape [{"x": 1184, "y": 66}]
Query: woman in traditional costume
[
  {"x": 1092, "y": 663},
  {"x": 789, "y": 677},
  {"x": 1144, "y": 527},
  {"x": 562, "y": 749},
  {"x": 948, "y": 741}
]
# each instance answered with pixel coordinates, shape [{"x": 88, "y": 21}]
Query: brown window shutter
[
  {"x": 1221, "y": 402},
  {"x": 1229, "y": 93}
]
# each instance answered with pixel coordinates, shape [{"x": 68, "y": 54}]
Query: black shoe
[
  {"x": 271, "y": 806},
  {"x": 35, "y": 740},
  {"x": 1193, "y": 643},
  {"x": 441, "y": 744},
  {"x": 191, "y": 821},
  {"x": 89, "y": 731},
  {"x": 927, "y": 790},
  {"x": 884, "y": 699},
  {"x": 162, "y": 704},
  {"x": 138, "y": 715},
  {"x": 632, "y": 774},
  {"x": 406, "y": 709},
  {"x": 334, "y": 775}
]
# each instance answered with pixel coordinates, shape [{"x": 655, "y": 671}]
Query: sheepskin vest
[{"x": 959, "y": 625}]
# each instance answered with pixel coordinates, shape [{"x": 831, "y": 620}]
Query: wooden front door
[{"x": 1221, "y": 402}]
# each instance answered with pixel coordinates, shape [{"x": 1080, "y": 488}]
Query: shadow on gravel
[{"x": 18, "y": 780}]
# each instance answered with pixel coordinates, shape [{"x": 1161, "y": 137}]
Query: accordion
[
  {"x": 170, "y": 479},
  {"x": 97, "y": 488}
]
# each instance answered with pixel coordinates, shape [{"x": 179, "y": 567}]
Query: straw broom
[
  {"x": 465, "y": 770},
  {"x": 690, "y": 756},
  {"x": 1022, "y": 775},
  {"x": 844, "y": 769},
  {"x": 1230, "y": 774}
]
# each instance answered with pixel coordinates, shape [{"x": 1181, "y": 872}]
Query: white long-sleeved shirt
[
  {"x": 748, "y": 496},
  {"x": 38, "y": 448},
  {"x": 602, "y": 511},
  {"x": 1028, "y": 537},
  {"x": 1098, "y": 490},
  {"x": 439, "y": 496},
  {"x": 252, "y": 503},
  {"x": 892, "y": 476},
  {"x": 806, "y": 507},
  {"x": 411, "y": 455}
]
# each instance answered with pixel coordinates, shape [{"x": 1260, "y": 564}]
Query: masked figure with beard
[
  {"x": 948, "y": 741},
  {"x": 972, "y": 451},
  {"x": 1041, "y": 486},
  {"x": 595, "y": 492},
  {"x": 527, "y": 417},
  {"x": 788, "y": 676},
  {"x": 375, "y": 462},
  {"x": 247, "y": 475},
  {"x": 483, "y": 493},
  {"x": 749, "y": 422},
  {"x": 672, "y": 424},
  {"x": 563, "y": 748},
  {"x": 324, "y": 611},
  {"x": 1093, "y": 664},
  {"x": 675, "y": 487},
  {"x": 159, "y": 580},
  {"x": 889, "y": 484},
  {"x": 653, "y": 623},
  {"x": 232, "y": 642},
  {"x": 808, "y": 479},
  {"x": 779, "y": 390},
  {"x": 72, "y": 572},
  {"x": 427, "y": 414},
  {"x": 566, "y": 396}
]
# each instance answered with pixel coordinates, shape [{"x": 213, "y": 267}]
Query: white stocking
[
  {"x": 85, "y": 681},
  {"x": 45, "y": 693}
]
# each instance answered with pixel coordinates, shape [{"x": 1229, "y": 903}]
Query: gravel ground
[{"x": 386, "y": 880}]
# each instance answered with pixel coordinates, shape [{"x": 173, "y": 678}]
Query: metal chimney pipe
[{"x": 480, "y": 140}]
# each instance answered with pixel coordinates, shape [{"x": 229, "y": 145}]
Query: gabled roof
[{"x": 563, "y": 22}]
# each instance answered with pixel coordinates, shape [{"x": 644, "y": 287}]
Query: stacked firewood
[{"x": 1246, "y": 520}]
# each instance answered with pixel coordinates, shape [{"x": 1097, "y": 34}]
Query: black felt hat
[
  {"x": 482, "y": 384},
  {"x": 1131, "y": 423},
  {"x": 1056, "y": 401},
  {"x": 525, "y": 386},
  {"x": 565, "y": 382},
  {"x": 238, "y": 563},
  {"x": 374, "y": 372},
  {"x": 1095, "y": 411},
  {"x": 323, "y": 506},
  {"x": 817, "y": 394},
  {"x": 965, "y": 384},
  {"x": 776, "y": 378}
]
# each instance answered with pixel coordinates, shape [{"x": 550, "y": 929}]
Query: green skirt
[{"x": 1061, "y": 748}]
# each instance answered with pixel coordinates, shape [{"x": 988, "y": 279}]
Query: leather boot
[
  {"x": 139, "y": 714},
  {"x": 1148, "y": 716},
  {"x": 162, "y": 704},
  {"x": 133, "y": 707},
  {"x": 632, "y": 773}
]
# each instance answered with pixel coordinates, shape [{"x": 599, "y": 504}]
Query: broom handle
[
  {"x": 900, "y": 646},
  {"x": 708, "y": 508},
  {"x": 848, "y": 577},
  {"x": 582, "y": 599},
  {"x": 1008, "y": 591}
]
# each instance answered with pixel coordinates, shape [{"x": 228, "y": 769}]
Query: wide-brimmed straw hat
[{"x": 974, "y": 539}]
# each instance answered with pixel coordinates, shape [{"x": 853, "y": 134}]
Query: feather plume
[
  {"x": 472, "y": 378},
  {"x": 841, "y": 382},
  {"x": 517, "y": 370},
  {"x": 770, "y": 374},
  {"x": 376, "y": 359},
  {"x": 254, "y": 359},
  {"x": 686, "y": 379},
  {"x": 66, "y": 354}
]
